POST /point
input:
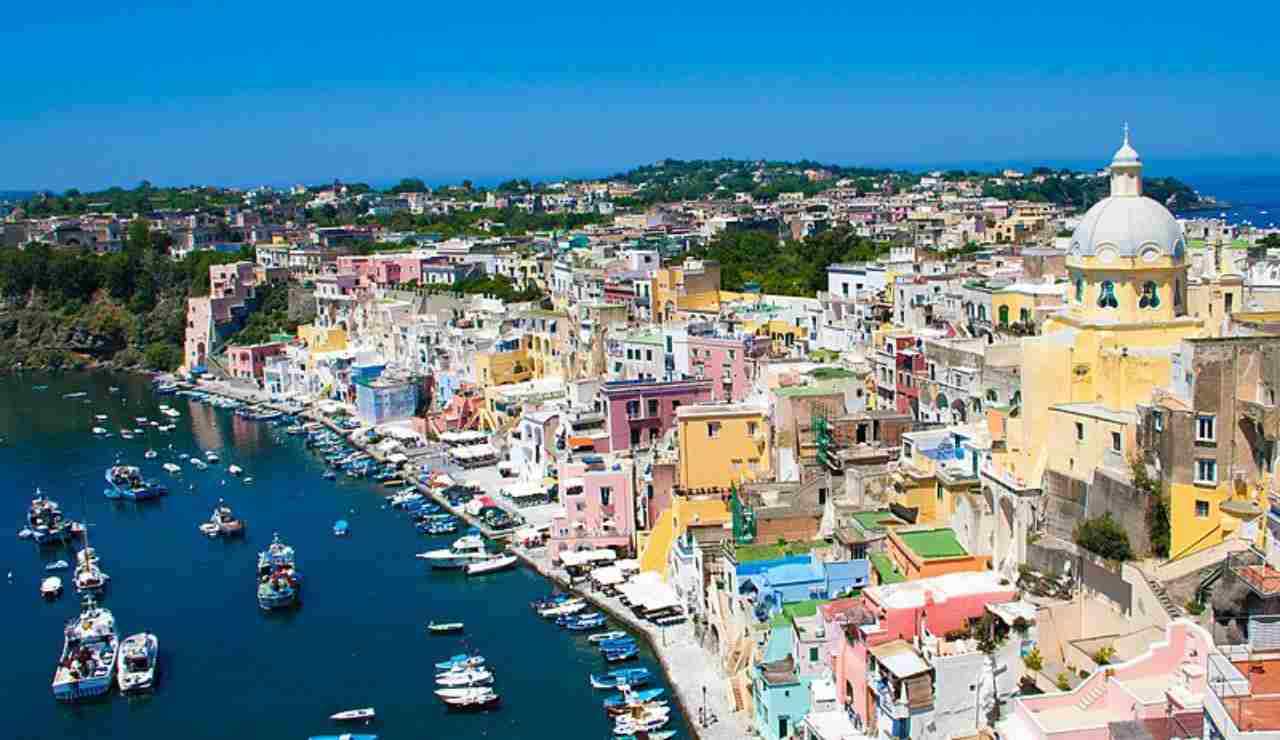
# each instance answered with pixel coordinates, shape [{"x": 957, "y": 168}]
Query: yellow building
[
  {"x": 782, "y": 333},
  {"x": 921, "y": 483},
  {"x": 501, "y": 368},
  {"x": 319, "y": 339},
  {"x": 692, "y": 286},
  {"x": 1025, "y": 303},
  {"x": 722, "y": 444},
  {"x": 684, "y": 512}
]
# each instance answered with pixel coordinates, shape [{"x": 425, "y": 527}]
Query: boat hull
[{"x": 83, "y": 689}]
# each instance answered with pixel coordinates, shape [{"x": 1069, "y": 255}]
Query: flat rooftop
[{"x": 933, "y": 543}]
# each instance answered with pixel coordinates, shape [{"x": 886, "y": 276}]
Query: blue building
[
  {"x": 385, "y": 399},
  {"x": 791, "y": 582},
  {"x": 780, "y": 695}
]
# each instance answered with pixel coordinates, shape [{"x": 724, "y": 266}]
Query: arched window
[
  {"x": 1107, "y": 296},
  {"x": 1177, "y": 292},
  {"x": 1079, "y": 289},
  {"x": 1017, "y": 399},
  {"x": 941, "y": 402},
  {"x": 982, "y": 313},
  {"x": 1024, "y": 315},
  {"x": 1004, "y": 315},
  {"x": 1150, "y": 295}
]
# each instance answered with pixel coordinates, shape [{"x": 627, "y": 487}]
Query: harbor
[{"x": 357, "y": 638}]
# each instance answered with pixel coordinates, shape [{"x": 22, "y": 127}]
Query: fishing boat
[
  {"x": 632, "y": 697},
  {"x": 57, "y": 565},
  {"x": 279, "y": 584},
  {"x": 621, "y": 654},
  {"x": 222, "y": 523},
  {"x": 136, "y": 666},
  {"x": 88, "y": 662},
  {"x": 464, "y": 550},
  {"x": 341, "y": 527},
  {"x": 444, "y": 628},
  {"x": 607, "y": 636},
  {"x": 89, "y": 576},
  {"x": 617, "y": 645},
  {"x": 235, "y": 469},
  {"x": 491, "y": 565},
  {"x": 460, "y": 662},
  {"x": 587, "y": 623},
  {"x": 353, "y": 715},
  {"x": 45, "y": 521},
  {"x": 570, "y": 606},
  {"x": 620, "y": 677},
  {"x": 51, "y": 587},
  {"x": 126, "y": 482},
  {"x": 468, "y": 698}
]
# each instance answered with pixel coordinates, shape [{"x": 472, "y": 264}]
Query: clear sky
[{"x": 238, "y": 92}]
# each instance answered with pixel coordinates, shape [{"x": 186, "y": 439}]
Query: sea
[
  {"x": 228, "y": 669},
  {"x": 1253, "y": 198}
]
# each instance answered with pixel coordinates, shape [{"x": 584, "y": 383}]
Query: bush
[
  {"x": 162, "y": 356},
  {"x": 1104, "y": 536},
  {"x": 1063, "y": 681},
  {"x": 1195, "y": 608},
  {"x": 1104, "y": 655},
  {"x": 1033, "y": 660}
]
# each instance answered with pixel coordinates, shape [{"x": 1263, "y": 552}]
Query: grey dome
[{"x": 1128, "y": 227}]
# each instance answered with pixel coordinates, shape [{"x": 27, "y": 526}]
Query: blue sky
[{"x": 276, "y": 92}]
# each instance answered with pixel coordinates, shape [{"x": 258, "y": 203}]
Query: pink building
[
  {"x": 231, "y": 286},
  {"x": 639, "y": 412},
  {"x": 1163, "y": 688},
  {"x": 248, "y": 361},
  {"x": 599, "y": 503},
  {"x": 899, "y": 611},
  {"x": 729, "y": 362}
]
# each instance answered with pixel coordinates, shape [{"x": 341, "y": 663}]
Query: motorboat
[
  {"x": 45, "y": 522},
  {"x": 622, "y": 654},
  {"x": 344, "y": 736},
  {"x": 616, "y": 645},
  {"x": 136, "y": 666},
  {"x": 468, "y": 698},
  {"x": 663, "y": 735},
  {"x": 57, "y": 565},
  {"x": 99, "y": 432},
  {"x": 606, "y": 636},
  {"x": 126, "y": 482},
  {"x": 89, "y": 578},
  {"x": 464, "y": 678},
  {"x": 464, "y": 550},
  {"x": 279, "y": 589},
  {"x": 341, "y": 528},
  {"x": 211, "y": 456},
  {"x": 100, "y": 417},
  {"x": 171, "y": 468},
  {"x": 51, "y": 587},
  {"x": 491, "y": 565},
  {"x": 222, "y": 523},
  {"x": 460, "y": 662},
  {"x": 198, "y": 464},
  {"x": 277, "y": 554},
  {"x": 572, "y": 606},
  {"x": 235, "y": 469},
  {"x": 588, "y": 623},
  {"x": 88, "y": 661},
  {"x": 150, "y": 454},
  {"x": 443, "y": 628},
  {"x": 632, "y": 697},
  {"x": 86, "y": 556},
  {"x": 351, "y": 715},
  {"x": 619, "y": 678}
]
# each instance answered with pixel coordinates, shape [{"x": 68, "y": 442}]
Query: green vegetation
[
  {"x": 885, "y": 569},
  {"x": 1033, "y": 660},
  {"x": 1259, "y": 251},
  {"x": 478, "y": 222},
  {"x": 1157, "y": 515},
  {"x": 1104, "y": 655},
  {"x": 1063, "y": 681},
  {"x": 1066, "y": 188},
  {"x": 143, "y": 199},
  {"x": 271, "y": 317},
  {"x": 934, "y": 543},
  {"x": 750, "y": 553},
  {"x": 1104, "y": 536},
  {"x": 797, "y": 268}
]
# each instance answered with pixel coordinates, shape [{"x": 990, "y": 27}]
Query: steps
[
  {"x": 1162, "y": 596},
  {"x": 1086, "y": 701}
]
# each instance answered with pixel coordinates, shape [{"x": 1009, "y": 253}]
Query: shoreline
[{"x": 683, "y": 683}]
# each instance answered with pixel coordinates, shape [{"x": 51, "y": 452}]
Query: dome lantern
[{"x": 1126, "y": 170}]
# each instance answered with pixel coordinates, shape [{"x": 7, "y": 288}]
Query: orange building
[{"x": 928, "y": 552}]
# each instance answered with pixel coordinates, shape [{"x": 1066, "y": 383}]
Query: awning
[
  {"x": 608, "y": 575},
  {"x": 582, "y": 557},
  {"x": 577, "y": 442}
]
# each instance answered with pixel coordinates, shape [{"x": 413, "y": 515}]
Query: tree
[
  {"x": 409, "y": 185},
  {"x": 1104, "y": 536},
  {"x": 139, "y": 236},
  {"x": 1159, "y": 530},
  {"x": 1259, "y": 251}
]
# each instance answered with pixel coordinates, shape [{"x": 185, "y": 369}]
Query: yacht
[
  {"x": 136, "y": 665},
  {"x": 126, "y": 482},
  {"x": 464, "y": 550},
  {"x": 88, "y": 660}
]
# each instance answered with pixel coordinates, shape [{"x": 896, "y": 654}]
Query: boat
[
  {"x": 77, "y": 394},
  {"x": 51, "y": 587},
  {"x": 464, "y": 678},
  {"x": 277, "y": 554},
  {"x": 329, "y": 475},
  {"x": 344, "y": 736},
  {"x": 444, "y": 628},
  {"x": 616, "y": 645},
  {"x": 211, "y": 456},
  {"x": 126, "y": 482},
  {"x": 491, "y": 565},
  {"x": 235, "y": 469},
  {"x": 570, "y": 606},
  {"x": 222, "y": 523},
  {"x": 464, "y": 550},
  {"x": 198, "y": 463},
  {"x": 460, "y": 662},
  {"x": 468, "y": 698},
  {"x": 171, "y": 468},
  {"x": 620, "y": 677},
  {"x": 632, "y": 697},
  {"x": 663, "y": 735},
  {"x": 100, "y": 417},
  {"x": 353, "y": 714},
  {"x": 248, "y": 480},
  {"x": 90, "y": 578},
  {"x": 57, "y": 565},
  {"x": 279, "y": 584},
  {"x": 340, "y": 527},
  {"x": 150, "y": 454},
  {"x": 606, "y": 636},
  {"x": 100, "y": 432},
  {"x": 136, "y": 666},
  {"x": 584, "y": 624},
  {"x": 622, "y": 654},
  {"x": 88, "y": 662}
]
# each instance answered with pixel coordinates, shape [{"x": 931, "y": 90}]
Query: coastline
[{"x": 686, "y": 671}]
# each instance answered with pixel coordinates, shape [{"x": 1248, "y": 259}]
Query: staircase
[
  {"x": 1086, "y": 701},
  {"x": 1162, "y": 596}
]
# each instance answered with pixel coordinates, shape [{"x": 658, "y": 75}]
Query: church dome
[{"x": 1127, "y": 223}]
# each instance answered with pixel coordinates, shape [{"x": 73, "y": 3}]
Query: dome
[
  {"x": 1126, "y": 154},
  {"x": 1125, "y": 226}
]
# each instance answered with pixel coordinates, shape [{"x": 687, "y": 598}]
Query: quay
[{"x": 696, "y": 684}]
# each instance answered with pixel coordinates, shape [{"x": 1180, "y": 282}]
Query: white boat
[
  {"x": 151, "y": 454},
  {"x": 466, "y": 678},
  {"x": 235, "y": 469},
  {"x": 57, "y": 565},
  {"x": 99, "y": 431},
  {"x": 171, "y": 468},
  {"x": 572, "y": 606},
  {"x": 211, "y": 456},
  {"x": 473, "y": 696},
  {"x": 51, "y": 587},
  {"x": 172, "y": 414},
  {"x": 86, "y": 556},
  {"x": 198, "y": 463},
  {"x": 100, "y": 417},
  {"x": 444, "y": 627},
  {"x": 491, "y": 565},
  {"x": 136, "y": 664},
  {"x": 353, "y": 714},
  {"x": 606, "y": 636},
  {"x": 464, "y": 550},
  {"x": 90, "y": 578}
]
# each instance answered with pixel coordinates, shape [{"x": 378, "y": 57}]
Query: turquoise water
[{"x": 227, "y": 668}]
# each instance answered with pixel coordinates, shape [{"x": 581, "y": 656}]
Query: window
[
  {"x": 653, "y": 407},
  {"x": 991, "y": 396},
  {"x": 635, "y": 436},
  {"x": 674, "y": 405},
  {"x": 648, "y": 355},
  {"x": 813, "y": 655},
  {"x": 1267, "y": 456},
  {"x": 633, "y": 409},
  {"x": 1079, "y": 289},
  {"x": 1177, "y": 292},
  {"x": 1206, "y": 470},
  {"x": 939, "y": 491},
  {"x": 1202, "y": 509},
  {"x": 1150, "y": 296},
  {"x": 1107, "y": 296},
  {"x": 933, "y": 371},
  {"x": 751, "y": 428},
  {"x": 1079, "y": 431},
  {"x": 1157, "y": 419},
  {"x": 713, "y": 430},
  {"x": 1024, "y": 315},
  {"x": 732, "y": 354},
  {"x": 1204, "y": 428},
  {"x": 1116, "y": 442},
  {"x": 606, "y": 494},
  {"x": 1004, "y": 315}
]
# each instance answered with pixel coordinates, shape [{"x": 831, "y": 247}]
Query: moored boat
[
  {"x": 45, "y": 522},
  {"x": 442, "y": 628},
  {"x": 51, "y": 587},
  {"x": 620, "y": 677},
  {"x": 494, "y": 564},
  {"x": 464, "y": 550},
  {"x": 464, "y": 678},
  {"x": 136, "y": 667},
  {"x": 606, "y": 636},
  {"x": 468, "y": 698},
  {"x": 353, "y": 714},
  {"x": 341, "y": 528},
  {"x": 460, "y": 662},
  {"x": 222, "y": 523},
  {"x": 88, "y": 662},
  {"x": 126, "y": 482},
  {"x": 279, "y": 585}
]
